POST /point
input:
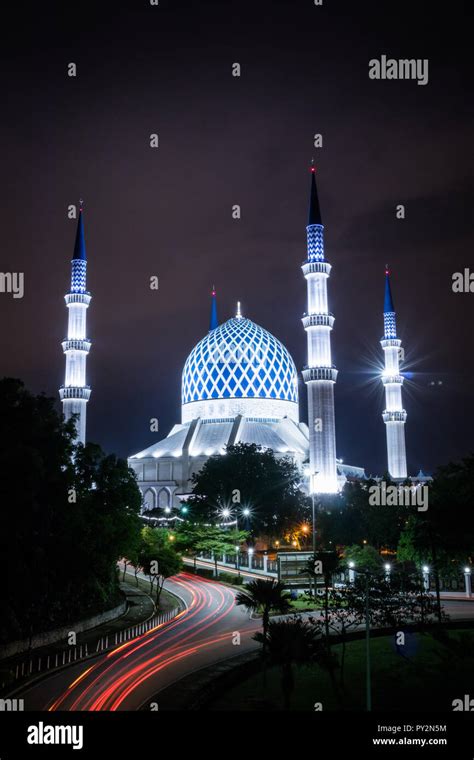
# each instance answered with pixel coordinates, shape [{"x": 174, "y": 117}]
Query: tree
[
  {"x": 265, "y": 596},
  {"x": 253, "y": 477},
  {"x": 215, "y": 539},
  {"x": 429, "y": 537},
  {"x": 189, "y": 537},
  {"x": 394, "y": 601},
  {"x": 364, "y": 558},
  {"x": 291, "y": 642},
  {"x": 340, "y": 615},
  {"x": 71, "y": 513},
  {"x": 352, "y": 519},
  {"x": 158, "y": 558}
]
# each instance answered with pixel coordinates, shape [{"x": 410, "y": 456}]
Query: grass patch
[
  {"x": 430, "y": 672},
  {"x": 167, "y": 601}
]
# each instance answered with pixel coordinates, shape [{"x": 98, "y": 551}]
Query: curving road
[{"x": 127, "y": 677}]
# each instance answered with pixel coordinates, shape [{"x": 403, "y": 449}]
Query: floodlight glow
[
  {"x": 467, "y": 570},
  {"x": 351, "y": 564},
  {"x": 426, "y": 569}
]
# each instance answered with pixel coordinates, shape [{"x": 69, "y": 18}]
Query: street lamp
[
  {"x": 312, "y": 478},
  {"x": 467, "y": 581},
  {"x": 351, "y": 566},
  {"x": 426, "y": 577}
]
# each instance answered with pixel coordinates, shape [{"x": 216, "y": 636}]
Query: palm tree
[
  {"x": 264, "y": 595},
  {"x": 292, "y": 642}
]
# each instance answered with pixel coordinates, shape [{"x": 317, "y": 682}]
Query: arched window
[
  {"x": 149, "y": 500},
  {"x": 164, "y": 498}
]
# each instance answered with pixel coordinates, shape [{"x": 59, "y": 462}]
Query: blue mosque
[{"x": 240, "y": 385}]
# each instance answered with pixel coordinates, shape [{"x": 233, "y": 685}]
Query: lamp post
[
  {"x": 426, "y": 577},
  {"x": 312, "y": 478},
  {"x": 351, "y": 566},
  {"x": 246, "y": 514},
  {"x": 467, "y": 581}
]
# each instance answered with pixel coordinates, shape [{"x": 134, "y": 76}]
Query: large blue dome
[{"x": 239, "y": 368}]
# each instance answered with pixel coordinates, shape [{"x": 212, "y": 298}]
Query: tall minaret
[
  {"x": 319, "y": 374},
  {"x": 394, "y": 415},
  {"x": 75, "y": 393}
]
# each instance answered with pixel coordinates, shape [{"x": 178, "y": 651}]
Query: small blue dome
[{"x": 239, "y": 360}]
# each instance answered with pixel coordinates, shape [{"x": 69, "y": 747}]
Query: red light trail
[{"x": 134, "y": 672}]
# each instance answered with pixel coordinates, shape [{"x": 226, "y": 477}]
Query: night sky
[{"x": 247, "y": 141}]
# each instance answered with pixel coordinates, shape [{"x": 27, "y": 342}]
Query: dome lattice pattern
[{"x": 239, "y": 359}]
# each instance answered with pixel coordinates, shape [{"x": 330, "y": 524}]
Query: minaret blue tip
[
  {"x": 214, "y": 322},
  {"x": 388, "y": 306},
  {"x": 80, "y": 245}
]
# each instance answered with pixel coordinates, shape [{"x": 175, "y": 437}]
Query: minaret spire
[
  {"x": 314, "y": 214},
  {"x": 80, "y": 245},
  {"x": 394, "y": 415},
  {"x": 320, "y": 374},
  {"x": 214, "y": 322},
  {"x": 75, "y": 393}
]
